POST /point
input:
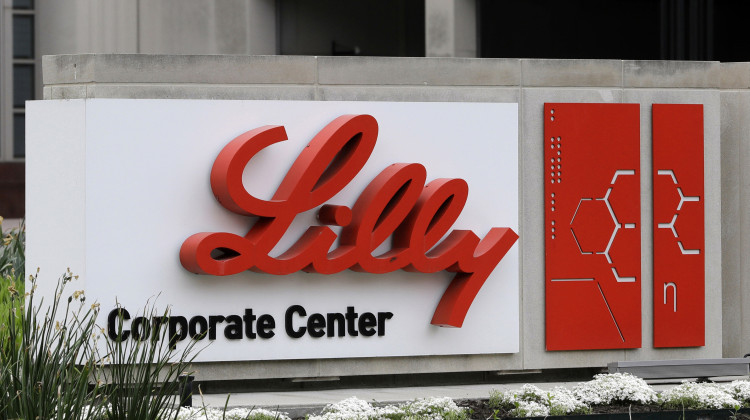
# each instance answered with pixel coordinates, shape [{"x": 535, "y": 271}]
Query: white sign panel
[{"x": 115, "y": 187}]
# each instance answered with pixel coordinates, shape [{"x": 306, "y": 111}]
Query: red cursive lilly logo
[{"x": 396, "y": 203}]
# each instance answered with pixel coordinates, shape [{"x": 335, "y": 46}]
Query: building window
[
  {"x": 18, "y": 84},
  {"x": 17, "y": 75}
]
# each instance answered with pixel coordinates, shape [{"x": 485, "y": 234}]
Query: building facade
[{"x": 224, "y": 39}]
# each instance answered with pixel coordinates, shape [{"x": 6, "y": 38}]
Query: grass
[
  {"x": 144, "y": 376},
  {"x": 51, "y": 366},
  {"x": 45, "y": 372}
]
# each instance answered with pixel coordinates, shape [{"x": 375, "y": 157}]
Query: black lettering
[
  {"x": 315, "y": 325},
  {"x": 266, "y": 324},
  {"x": 195, "y": 322},
  {"x": 233, "y": 330},
  {"x": 290, "y": 331},
  {"x": 366, "y": 323},
  {"x": 156, "y": 322},
  {"x": 141, "y": 328},
  {"x": 337, "y": 319},
  {"x": 249, "y": 319},
  {"x": 115, "y": 321},
  {"x": 351, "y": 316},
  {"x": 382, "y": 316},
  {"x": 174, "y": 335},
  {"x": 212, "y": 321}
]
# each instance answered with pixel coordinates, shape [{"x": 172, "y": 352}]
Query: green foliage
[
  {"x": 12, "y": 260},
  {"x": 52, "y": 368},
  {"x": 144, "y": 379},
  {"x": 46, "y": 376},
  {"x": 12, "y": 251},
  {"x": 497, "y": 399},
  {"x": 11, "y": 308}
]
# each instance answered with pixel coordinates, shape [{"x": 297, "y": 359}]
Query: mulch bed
[{"x": 480, "y": 409}]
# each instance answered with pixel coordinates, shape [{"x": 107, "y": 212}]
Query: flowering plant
[
  {"x": 692, "y": 395},
  {"x": 423, "y": 409},
  {"x": 615, "y": 388},
  {"x": 532, "y": 401},
  {"x": 205, "y": 413},
  {"x": 740, "y": 391}
]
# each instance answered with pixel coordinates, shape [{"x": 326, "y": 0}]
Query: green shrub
[
  {"x": 45, "y": 372},
  {"x": 12, "y": 251},
  {"x": 53, "y": 368},
  {"x": 12, "y": 260}
]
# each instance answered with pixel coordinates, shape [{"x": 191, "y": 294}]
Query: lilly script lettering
[{"x": 396, "y": 204}]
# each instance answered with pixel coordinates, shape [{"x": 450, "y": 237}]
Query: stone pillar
[{"x": 451, "y": 28}]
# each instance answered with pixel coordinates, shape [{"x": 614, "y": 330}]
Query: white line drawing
[
  {"x": 575, "y": 213},
  {"x": 606, "y": 251},
  {"x": 610, "y": 313},
  {"x": 674, "y": 294},
  {"x": 575, "y": 238},
  {"x": 688, "y": 251},
  {"x": 622, "y": 279},
  {"x": 669, "y": 225},
  {"x": 622, "y": 172},
  {"x": 667, "y": 172},
  {"x": 591, "y": 279},
  {"x": 683, "y": 199}
]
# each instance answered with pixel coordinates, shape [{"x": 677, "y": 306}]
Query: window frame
[{"x": 8, "y": 62}]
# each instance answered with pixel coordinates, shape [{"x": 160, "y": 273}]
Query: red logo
[
  {"x": 593, "y": 215},
  {"x": 395, "y": 204},
  {"x": 592, "y": 226},
  {"x": 679, "y": 238}
]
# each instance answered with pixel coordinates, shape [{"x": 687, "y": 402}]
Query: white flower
[
  {"x": 529, "y": 409},
  {"x": 349, "y": 409},
  {"x": 698, "y": 396},
  {"x": 532, "y": 393},
  {"x": 558, "y": 401},
  {"x": 389, "y": 411},
  {"x": 615, "y": 387},
  {"x": 562, "y": 401},
  {"x": 432, "y": 408},
  {"x": 207, "y": 413},
  {"x": 739, "y": 390}
]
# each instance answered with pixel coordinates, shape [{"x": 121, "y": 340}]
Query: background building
[
  {"x": 298, "y": 38},
  {"x": 618, "y": 29}
]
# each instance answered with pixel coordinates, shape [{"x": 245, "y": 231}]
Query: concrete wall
[
  {"x": 530, "y": 83},
  {"x": 735, "y": 148}
]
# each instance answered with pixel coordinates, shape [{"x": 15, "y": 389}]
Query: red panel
[
  {"x": 592, "y": 226},
  {"x": 679, "y": 250}
]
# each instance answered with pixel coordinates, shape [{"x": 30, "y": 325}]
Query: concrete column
[
  {"x": 451, "y": 28},
  {"x": 166, "y": 27},
  {"x": 87, "y": 26}
]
